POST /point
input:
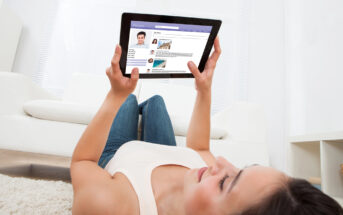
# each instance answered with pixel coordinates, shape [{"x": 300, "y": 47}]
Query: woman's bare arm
[
  {"x": 198, "y": 135},
  {"x": 92, "y": 193},
  {"x": 93, "y": 140}
]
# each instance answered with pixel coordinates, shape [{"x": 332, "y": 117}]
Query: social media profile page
[{"x": 163, "y": 48}]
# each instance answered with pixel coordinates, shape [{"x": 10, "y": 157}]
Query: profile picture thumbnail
[
  {"x": 150, "y": 60},
  {"x": 138, "y": 40}
]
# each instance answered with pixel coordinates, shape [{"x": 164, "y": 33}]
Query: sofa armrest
[
  {"x": 241, "y": 154},
  {"x": 16, "y": 89},
  {"x": 238, "y": 153},
  {"x": 243, "y": 121}
]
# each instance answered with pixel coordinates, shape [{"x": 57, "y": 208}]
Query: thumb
[
  {"x": 134, "y": 77},
  {"x": 194, "y": 69}
]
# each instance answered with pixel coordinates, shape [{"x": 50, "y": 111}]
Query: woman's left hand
[{"x": 203, "y": 80}]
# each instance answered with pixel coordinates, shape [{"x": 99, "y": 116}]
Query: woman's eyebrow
[{"x": 234, "y": 182}]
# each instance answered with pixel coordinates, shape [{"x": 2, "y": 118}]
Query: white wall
[
  {"x": 266, "y": 76},
  {"x": 10, "y": 29},
  {"x": 314, "y": 59},
  {"x": 83, "y": 39},
  {"x": 37, "y": 18}
]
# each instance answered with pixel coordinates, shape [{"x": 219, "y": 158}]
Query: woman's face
[{"x": 223, "y": 188}]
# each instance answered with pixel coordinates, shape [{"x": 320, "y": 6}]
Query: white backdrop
[
  {"x": 314, "y": 59},
  {"x": 65, "y": 36}
]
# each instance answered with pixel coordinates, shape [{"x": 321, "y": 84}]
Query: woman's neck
[
  {"x": 169, "y": 195},
  {"x": 172, "y": 202}
]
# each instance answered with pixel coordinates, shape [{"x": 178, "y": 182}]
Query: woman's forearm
[
  {"x": 198, "y": 135},
  {"x": 93, "y": 140}
]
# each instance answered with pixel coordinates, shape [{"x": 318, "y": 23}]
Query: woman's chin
[{"x": 191, "y": 177}]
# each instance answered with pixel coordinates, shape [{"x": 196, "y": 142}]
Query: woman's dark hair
[{"x": 297, "y": 197}]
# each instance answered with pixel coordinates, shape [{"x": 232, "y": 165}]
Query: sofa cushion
[
  {"x": 60, "y": 111},
  {"x": 180, "y": 127},
  {"x": 63, "y": 111}
]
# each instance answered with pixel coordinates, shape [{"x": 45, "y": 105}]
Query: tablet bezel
[{"x": 125, "y": 36}]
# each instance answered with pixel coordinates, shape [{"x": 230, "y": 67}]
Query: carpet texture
[{"x": 31, "y": 196}]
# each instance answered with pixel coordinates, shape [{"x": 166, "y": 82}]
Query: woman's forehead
[
  {"x": 254, "y": 183},
  {"x": 257, "y": 180},
  {"x": 257, "y": 177}
]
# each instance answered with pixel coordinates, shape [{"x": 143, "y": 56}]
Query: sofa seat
[{"x": 29, "y": 134}]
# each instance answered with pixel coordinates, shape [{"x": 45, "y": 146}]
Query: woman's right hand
[
  {"x": 121, "y": 85},
  {"x": 203, "y": 80}
]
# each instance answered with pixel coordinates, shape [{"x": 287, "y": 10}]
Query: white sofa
[{"x": 34, "y": 120}]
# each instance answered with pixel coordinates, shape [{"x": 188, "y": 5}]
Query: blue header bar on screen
[{"x": 170, "y": 26}]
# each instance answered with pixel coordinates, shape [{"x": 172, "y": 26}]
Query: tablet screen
[{"x": 157, "y": 47}]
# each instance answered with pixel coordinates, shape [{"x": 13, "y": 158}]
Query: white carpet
[{"x": 29, "y": 196}]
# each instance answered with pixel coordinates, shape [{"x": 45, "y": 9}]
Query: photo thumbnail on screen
[
  {"x": 164, "y": 44},
  {"x": 159, "y": 63}
]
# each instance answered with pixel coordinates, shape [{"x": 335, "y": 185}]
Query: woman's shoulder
[{"x": 95, "y": 189}]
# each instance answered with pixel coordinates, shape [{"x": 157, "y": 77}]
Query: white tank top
[{"x": 137, "y": 159}]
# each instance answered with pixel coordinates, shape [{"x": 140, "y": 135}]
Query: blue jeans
[{"x": 156, "y": 125}]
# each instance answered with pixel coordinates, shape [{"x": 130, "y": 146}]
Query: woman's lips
[{"x": 201, "y": 172}]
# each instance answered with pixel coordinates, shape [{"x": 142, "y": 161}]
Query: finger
[
  {"x": 210, "y": 64},
  {"x": 217, "y": 50},
  {"x": 194, "y": 69},
  {"x": 116, "y": 58},
  {"x": 134, "y": 77},
  {"x": 108, "y": 71}
]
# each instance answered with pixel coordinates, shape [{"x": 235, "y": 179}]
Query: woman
[{"x": 155, "y": 177}]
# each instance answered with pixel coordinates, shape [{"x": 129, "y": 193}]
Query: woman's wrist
[
  {"x": 116, "y": 96},
  {"x": 119, "y": 93},
  {"x": 204, "y": 93}
]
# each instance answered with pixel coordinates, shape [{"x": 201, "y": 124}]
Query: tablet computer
[{"x": 160, "y": 46}]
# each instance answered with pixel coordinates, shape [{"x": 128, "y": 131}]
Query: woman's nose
[
  {"x": 213, "y": 169},
  {"x": 220, "y": 160}
]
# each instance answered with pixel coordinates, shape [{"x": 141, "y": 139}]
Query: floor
[{"x": 34, "y": 165}]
